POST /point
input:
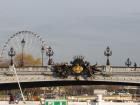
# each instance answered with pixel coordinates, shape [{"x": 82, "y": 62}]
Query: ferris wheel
[{"x": 24, "y": 41}]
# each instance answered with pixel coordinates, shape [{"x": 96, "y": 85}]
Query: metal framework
[
  {"x": 18, "y": 37},
  {"x": 25, "y": 42}
]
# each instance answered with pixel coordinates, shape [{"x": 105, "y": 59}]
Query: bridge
[
  {"x": 78, "y": 72},
  {"x": 30, "y": 77}
]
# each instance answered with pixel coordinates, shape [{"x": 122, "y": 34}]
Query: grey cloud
[{"x": 74, "y": 27}]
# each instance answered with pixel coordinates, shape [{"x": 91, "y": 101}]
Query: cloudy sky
[{"x": 77, "y": 27}]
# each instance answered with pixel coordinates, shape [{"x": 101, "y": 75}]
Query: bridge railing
[{"x": 121, "y": 69}]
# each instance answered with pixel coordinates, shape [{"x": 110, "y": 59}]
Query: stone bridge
[{"x": 45, "y": 76}]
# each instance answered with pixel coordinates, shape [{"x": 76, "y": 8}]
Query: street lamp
[
  {"x": 11, "y": 53},
  {"x": 22, "y": 45},
  {"x": 128, "y": 62},
  {"x": 49, "y": 53},
  {"x": 135, "y": 65},
  {"x": 107, "y": 53},
  {"x": 42, "y": 51}
]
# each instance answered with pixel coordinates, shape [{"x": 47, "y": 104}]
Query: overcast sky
[{"x": 77, "y": 27}]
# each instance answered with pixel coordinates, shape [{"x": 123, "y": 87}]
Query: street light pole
[
  {"x": 42, "y": 51},
  {"x": 135, "y": 65},
  {"x": 107, "y": 53},
  {"x": 49, "y": 53},
  {"x": 11, "y": 53},
  {"x": 128, "y": 62},
  {"x": 22, "y": 45}
]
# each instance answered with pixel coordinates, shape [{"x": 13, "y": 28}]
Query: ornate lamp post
[
  {"x": 135, "y": 65},
  {"x": 42, "y": 52},
  {"x": 128, "y": 62},
  {"x": 11, "y": 53},
  {"x": 107, "y": 53},
  {"x": 22, "y": 45},
  {"x": 49, "y": 53}
]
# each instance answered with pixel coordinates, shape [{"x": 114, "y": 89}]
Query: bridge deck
[{"x": 46, "y": 77}]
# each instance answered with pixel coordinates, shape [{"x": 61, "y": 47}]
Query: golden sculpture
[{"x": 77, "y": 69}]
